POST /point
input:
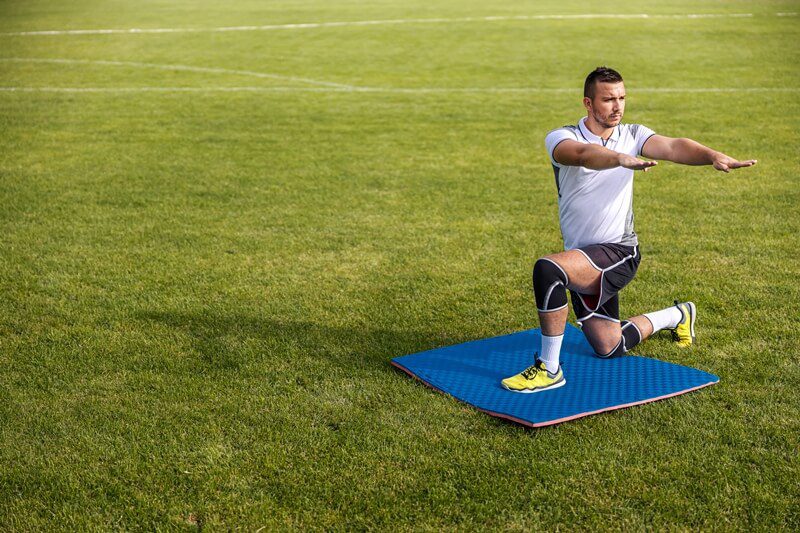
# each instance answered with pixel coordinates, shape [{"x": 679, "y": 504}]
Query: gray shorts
[{"x": 617, "y": 264}]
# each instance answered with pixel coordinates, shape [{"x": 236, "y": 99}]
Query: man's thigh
[{"x": 583, "y": 277}]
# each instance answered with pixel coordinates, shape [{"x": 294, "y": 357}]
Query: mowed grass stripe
[
  {"x": 406, "y": 90},
  {"x": 339, "y": 24}
]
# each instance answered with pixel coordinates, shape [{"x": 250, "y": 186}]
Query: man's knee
[
  {"x": 549, "y": 285},
  {"x": 629, "y": 337},
  {"x": 617, "y": 350}
]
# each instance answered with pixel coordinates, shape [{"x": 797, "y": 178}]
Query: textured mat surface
[{"x": 471, "y": 372}]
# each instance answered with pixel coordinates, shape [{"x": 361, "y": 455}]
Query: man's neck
[{"x": 601, "y": 131}]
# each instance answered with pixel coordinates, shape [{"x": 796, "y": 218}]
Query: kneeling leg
[{"x": 610, "y": 338}]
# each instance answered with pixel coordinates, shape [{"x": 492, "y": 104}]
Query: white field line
[
  {"x": 309, "y": 25},
  {"x": 322, "y": 86},
  {"x": 185, "y": 68},
  {"x": 786, "y": 14},
  {"x": 389, "y": 90}
]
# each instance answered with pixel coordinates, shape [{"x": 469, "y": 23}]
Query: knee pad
[
  {"x": 631, "y": 335},
  {"x": 549, "y": 286},
  {"x": 630, "y": 338}
]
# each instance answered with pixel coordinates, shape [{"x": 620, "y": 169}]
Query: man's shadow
[{"x": 216, "y": 340}]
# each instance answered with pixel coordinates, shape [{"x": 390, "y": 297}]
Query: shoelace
[{"x": 530, "y": 372}]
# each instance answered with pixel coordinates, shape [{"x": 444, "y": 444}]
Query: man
[{"x": 594, "y": 164}]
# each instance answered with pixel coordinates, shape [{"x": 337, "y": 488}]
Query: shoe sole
[
  {"x": 693, "y": 313},
  {"x": 539, "y": 389},
  {"x": 692, "y": 319}
]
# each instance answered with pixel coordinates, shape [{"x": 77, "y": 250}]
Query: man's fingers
[
  {"x": 729, "y": 164},
  {"x": 635, "y": 163}
]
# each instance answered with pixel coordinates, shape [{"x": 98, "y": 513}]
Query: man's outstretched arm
[
  {"x": 689, "y": 152},
  {"x": 596, "y": 157}
]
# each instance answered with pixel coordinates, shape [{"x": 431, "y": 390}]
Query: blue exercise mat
[{"x": 471, "y": 372}]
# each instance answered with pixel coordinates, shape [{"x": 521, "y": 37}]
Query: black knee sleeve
[
  {"x": 630, "y": 335},
  {"x": 549, "y": 285},
  {"x": 630, "y": 338}
]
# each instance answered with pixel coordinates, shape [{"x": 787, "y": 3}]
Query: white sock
[
  {"x": 551, "y": 350},
  {"x": 665, "y": 319}
]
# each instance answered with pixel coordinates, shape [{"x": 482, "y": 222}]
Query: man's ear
[{"x": 587, "y": 103}]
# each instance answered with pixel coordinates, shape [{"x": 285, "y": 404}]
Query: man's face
[{"x": 608, "y": 104}]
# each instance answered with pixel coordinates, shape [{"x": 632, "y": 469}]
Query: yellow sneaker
[
  {"x": 535, "y": 378},
  {"x": 683, "y": 334}
]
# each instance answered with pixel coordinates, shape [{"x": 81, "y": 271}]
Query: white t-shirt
[{"x": 596, "y": 206}]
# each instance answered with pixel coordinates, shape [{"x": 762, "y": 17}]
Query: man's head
[{"x": 604, "y": 96}]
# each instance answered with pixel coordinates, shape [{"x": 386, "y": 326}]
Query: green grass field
[{"x": 213, "y": 242}]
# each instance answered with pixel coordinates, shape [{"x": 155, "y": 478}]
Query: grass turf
[{"x": 202, "y": 290}]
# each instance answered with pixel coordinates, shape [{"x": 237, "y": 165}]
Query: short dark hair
[{"x": 601, "y": 74}]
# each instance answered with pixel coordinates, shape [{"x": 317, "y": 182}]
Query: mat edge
[{"x": 558, "y": 420}]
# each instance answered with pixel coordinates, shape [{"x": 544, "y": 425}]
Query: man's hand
[
  {"x": 726, "y": 164},
  {"x": 634, "y": 163}
]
